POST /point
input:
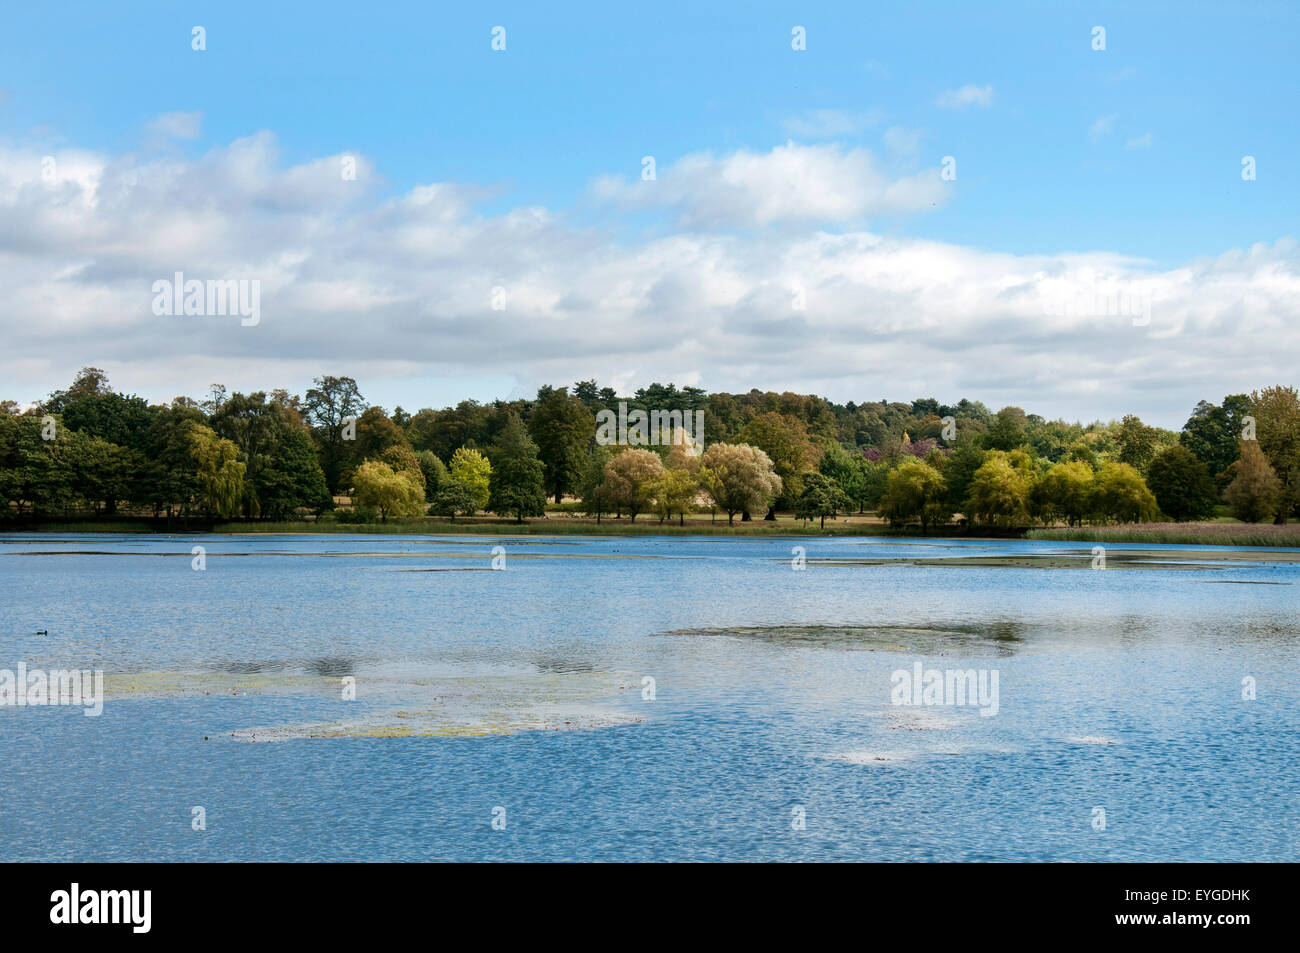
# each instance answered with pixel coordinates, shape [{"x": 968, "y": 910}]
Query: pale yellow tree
[
  {"x": 740, "y": 478},
  {"x": 392, "y": 492},
  {"x": 629, "y": 479}
]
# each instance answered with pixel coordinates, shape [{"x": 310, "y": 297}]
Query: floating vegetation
[
  {"x": 412, "y": 705},
  {"x": 995, "y": 639}
]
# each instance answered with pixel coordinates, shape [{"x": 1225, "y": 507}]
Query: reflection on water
[
  {"x": 523, "y": 688},
  {"x": 332, "y": 667}
]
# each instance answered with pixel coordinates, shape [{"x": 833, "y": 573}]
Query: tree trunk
[{"x": 771, "y": 514}]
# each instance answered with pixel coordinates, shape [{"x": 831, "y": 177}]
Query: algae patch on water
[
  {"x": 997, "y": 639},
  {"x": 473, "y": 706},
  {"x": 410, "y": 704}
]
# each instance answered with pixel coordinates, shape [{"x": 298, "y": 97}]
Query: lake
[{"x": 651, "y": 698}]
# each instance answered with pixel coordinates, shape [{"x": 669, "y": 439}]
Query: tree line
[{"x": 89, "y": 450}]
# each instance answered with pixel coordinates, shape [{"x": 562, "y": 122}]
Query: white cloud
[
  {"x": 1141, "y": 142},
  {"x": 396, "y": 290},
  {"x": 1102, "y": 127},
  {"x": 792, "y": 184},
  {"x": 831, "y": 123},
  {"x": 966, "y": 96}
]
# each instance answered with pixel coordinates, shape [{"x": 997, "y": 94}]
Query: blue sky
[
  {"x": 1134, "y": 152},
  {"x": 588, "y": 89}
]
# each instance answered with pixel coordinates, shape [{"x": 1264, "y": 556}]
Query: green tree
[
  {"x": 169, "y": 481},
  {"x": 674, "y": 491},
  {"x": 1255, "y": 492},
  {"x": 562, "y": 428},
  {"x": 1213, "y": 433},
  {"x": 90, "y": 407},
  {"x": 100, "y": 473},
  {"x": 966, "y": 458},
  {"x": 1120, "y": 495},
  {"x": 595, "y": 497},
  {"x": 33, "y": 477},
  {"x": 218, "y": 472},
  {"x": 1137, "y": 442},
  {"x": 455, "y": 498},
  {"x": 1277, "y": 420},
  {"x": 821, "y": 497},
  {"x": 785, "y": 441},
  {"x": 1000, "y": 490},
  {"x": 869, "y": 489},
  {"x": 838, "y": 464},
  {"x": 376, "y": 433},
  {"x": 1181, "y": 484},
  {"x": 281, "y": 469},
  {"x": 472, "y": 469},
  {"x": 516, "y": 486},
  {"x": 434, "y": 471},
  {"x": 1006, "y": 430},
  {"x": 330, "y": 406},
  {"x": 1065, "y": 493},
  {"x": 402, "y": 459},
  {"x": 915, "y": 490}
]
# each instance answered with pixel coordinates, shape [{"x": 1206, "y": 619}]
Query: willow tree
[
  {"x": 218, "y": 471},
  {"x": 630, "y": 479},
  {"x": 739, "y": 478},
  {"x": 392, "y": 492}
]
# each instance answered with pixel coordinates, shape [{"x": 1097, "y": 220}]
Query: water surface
[{"x": 525, "y": 689}]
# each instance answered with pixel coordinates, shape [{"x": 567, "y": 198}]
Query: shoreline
[{"x": 1286, "y": 536}]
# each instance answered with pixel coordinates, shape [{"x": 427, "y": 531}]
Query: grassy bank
[
  {"x": 1208, "y": 534},
  {"x": 569, "y": 527},
  {"x": 1216, "y": 533},
  {"x": 554, "y": 525}
]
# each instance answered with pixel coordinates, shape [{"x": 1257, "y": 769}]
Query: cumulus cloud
[
  {"x": 968, "y": 95},
  {"x": 399, "y": 289},
  {"x": 1141, "y": 142},
  {"x": 792, "y": 184}
]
